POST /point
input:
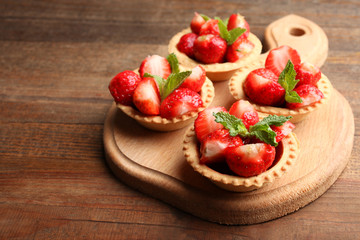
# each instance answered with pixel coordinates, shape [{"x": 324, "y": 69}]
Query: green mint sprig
[
  {"x": 229, "y": 36},
  {"x": 206, "y": 18},
  {"x": 288, "y": 82}
]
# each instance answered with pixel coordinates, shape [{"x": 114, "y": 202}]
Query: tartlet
[
  {"x": 287, "y": 152},
  {"x": 216, "y": 71},
  {"x": 299, "y": 114}
]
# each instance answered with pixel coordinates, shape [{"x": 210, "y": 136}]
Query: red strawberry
[
  {"x": 179, "y": 102},
  {"x": 205, "y": 122},
  {"x": 283, "y": 130},
  {"x": 210, "y": 27},
  {"x": 309, "y": 94},
  {"x": 244, "y": 110},
  {"x": 123, "y": 85},
  {"x": 146, "y": 97},
  {"x": 239, "y": 49},
  {"x": 261, "y": 87},
  {"x": 210, "y": 49},
  {"x": 250, "y": 159},
  {"x": 196, "y": 23},
  {"x": 235, "y": 21},
  {"x": 186, "y": 44},
  {"x": 155, "y": 65},
  {"x": 213, "y": 147},
  {"x": 196, "y": 79},
  {"x": 278, "y": 58},
  {"x": 307, "y": 73}
]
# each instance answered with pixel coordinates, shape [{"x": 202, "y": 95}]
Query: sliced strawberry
[
  {"x": 244, "y": 110},
  {"x": 179, "y": 102},
  {"x": 196, "y": 79},
  {"x": 146, "y": 97},
  {"x": 205, "y": 122},
  {"x": 307, "y": 73},
  {"x": 278, "y": 58},
  {"x": 155, "y": 65},
  {"x": 261, "y": 87},
  {"x": 186, "y": 44},
  {"x": 210, "y": 49},
  {"x": 239, "y": 49},
  {"x": 309, "y": 94},
  {"x": 210, "y": 27},
  {"x": 213, "y": 147},
  {"x": 196, "y": 23},
  {"x": 250, "y": 159},
  {"x": 237, "y": 20},
  {"x": 123, "y": 85},
  {"x": 283, "y": 130}
]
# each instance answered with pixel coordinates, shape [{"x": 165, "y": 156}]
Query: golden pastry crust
[
  {"x": 299, "y": 114},
  {"x": 216, "y": 71},
  {"x": 290, "y": 150}
]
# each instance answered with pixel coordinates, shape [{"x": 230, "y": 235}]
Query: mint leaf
[
  {"x": 174, "y": 63},
  {"x": 274, "y": 120},
  {"x": 226, "y": 21},
  {"x": 288, "y": 82},
  {"x": 224, "y": 33},
  {"x": 206, "y": 18},
  {"x": 232, "y": 123},
  {"x": 264, "y": 133},
  {"x": 235, "y": 34},
  {"x": 173, "y": 82},
  {"x": 159, "y": 80}
]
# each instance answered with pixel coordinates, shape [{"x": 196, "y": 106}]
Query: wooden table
[{"x": 56, "y": 60}]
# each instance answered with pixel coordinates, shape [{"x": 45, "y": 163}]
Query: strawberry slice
[
  {"x": 250, "y": 159},
  {"x": 196, "y": 23},
  {"x": 283, "y": 130},
  {"x": 180, "y": 102},
  {"x": 261, "y": 87},
  {"x": 213, "y": 147},
  {"x": 307, "y": 73},
  {"x": 278, "y": 58},
  {"x": 239, "y": 49},
  {"x": 308, "y": 93},
  {"x": 210, "y": 49},
  {"x": 123, "y": 85},
  {"x": 210, "y": 27},
  {"x": 186, "y": 44},
  {"x": 146, "y": 97},
  {"x": 205, "y": 122},
  {"x": 155, "y": 65},
  {"x": 237, "y": 20},
  {"x": 244, "y": 110},
  {"x": 196, "y": 79}
]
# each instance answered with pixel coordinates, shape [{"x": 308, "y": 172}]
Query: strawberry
[
  {"x": 237, "y": 20},
  {"x": 196, "y": 23},
  {"x": 196, "y": 80},
  {"x": 261, "y": 87},
  {"x": 123, "y": 85},
  {"x": 309, "y": 94},
  {"x": 250, "y": 159},
  {"x": 186, "y": 44},
  {"x": 278, "y": 58},
  {"x": 146, "y": 97},
  {"x": 210, "y": 49},
  {"x": 179, "y": 102},
  {"x": 213, "y": 147},
  {"x": 245, "y": 111},
  {"x": 307, "y": 73},
  {"x": 210, "y": 27},
  {"x": 283, "y": 130},
  {"x": 205, "y": 122},
  {"x": 240, "y": 48},
  {"x": 155, "y": 65}
]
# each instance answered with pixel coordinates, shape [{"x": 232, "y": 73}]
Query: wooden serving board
[{"x": 153, "y": 162}]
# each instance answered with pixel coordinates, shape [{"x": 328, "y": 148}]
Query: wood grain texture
[{"x": 57, "y": 58}]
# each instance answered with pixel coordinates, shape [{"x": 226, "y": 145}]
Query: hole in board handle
[{"x": 297, "y": 32}]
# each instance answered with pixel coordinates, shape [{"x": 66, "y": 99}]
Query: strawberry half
[
  {"x": 146, "y": 97},
  {"x": 186, "y": 44},
  {"x": 245, "y": 111},
  {"x": 205, "y": 122},
  {"x": 283, "y": 130},
  {"x": 210, "y": 49},
  {"x": 123, "y": 85},
  {"x": 196, "y": 23},
  {"x": 250, "y": 159},
  {"x": 278, "y": 58},
  {"x": 261, "y": 87},
  {"x": 210, "y": 27},
  {"x": 307, "y": 73},
  {"x": 308, "y": 93},
  {"x": 196, "y": 79},
  {"x": 179, "y": 102},
  {"x": 237, "y": 20},
  {"x": 239, "y": 49},
  {"x": 213, "y": 147},
  {"x": 155, "y": 65}
]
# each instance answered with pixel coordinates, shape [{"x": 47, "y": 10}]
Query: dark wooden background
[{"x": 56, "y": 60}]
